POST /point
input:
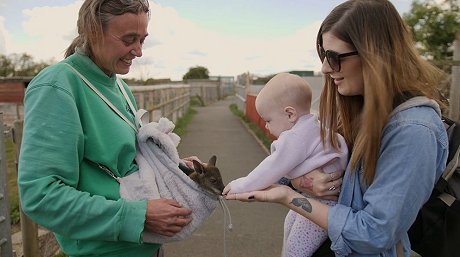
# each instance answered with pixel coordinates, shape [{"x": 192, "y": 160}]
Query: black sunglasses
[{"x": 333, "y": 58}]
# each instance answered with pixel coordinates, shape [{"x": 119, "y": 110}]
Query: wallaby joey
[{"x": 208, "y": 176}]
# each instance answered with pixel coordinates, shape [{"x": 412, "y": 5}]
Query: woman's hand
[
  {"x": 273, "y": 194},
  {"x": 307, "y": 207},
  {"x": 320, "y": 184},
  {"x": 166, "y": 217}
]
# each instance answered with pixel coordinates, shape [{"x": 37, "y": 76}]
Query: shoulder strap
[
  {"x": 122, "y": 89},
  {"x": 90, "y": 85}
]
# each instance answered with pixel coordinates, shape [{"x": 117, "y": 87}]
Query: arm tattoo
[{"x": 302, "y": 203}]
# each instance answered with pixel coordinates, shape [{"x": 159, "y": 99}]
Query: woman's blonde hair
[
  {"x": 391, "y": 66},
  {"x": 93, "y": 18}
]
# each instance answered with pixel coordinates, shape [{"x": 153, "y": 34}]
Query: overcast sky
[{"x": 229, "y": 37}]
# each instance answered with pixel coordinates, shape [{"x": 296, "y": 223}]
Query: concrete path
[{"x": 257, "y": 227}]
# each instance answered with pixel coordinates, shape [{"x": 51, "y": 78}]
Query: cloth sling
[{"x": 159, "y": 175}]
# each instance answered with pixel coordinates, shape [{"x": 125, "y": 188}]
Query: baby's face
[{"x": 276, "y": 119}]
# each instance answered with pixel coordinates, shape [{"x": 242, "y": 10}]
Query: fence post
[
  {"x": 6, "y": 246},
  {"x": 29, "y": 229}
]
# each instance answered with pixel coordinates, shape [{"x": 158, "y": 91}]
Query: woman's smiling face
[
  {"x": 349, "y": 80},
  {"x": 122, "y": 42}
]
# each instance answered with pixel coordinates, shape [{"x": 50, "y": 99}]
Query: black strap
[{"x": 324, "y": 250}]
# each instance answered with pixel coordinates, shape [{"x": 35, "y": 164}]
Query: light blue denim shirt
[{"x": 371, "y": 220}]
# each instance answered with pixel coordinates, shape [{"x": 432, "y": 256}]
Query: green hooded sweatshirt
[{"x": 67, "y": 129}]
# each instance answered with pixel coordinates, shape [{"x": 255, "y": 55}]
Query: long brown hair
[
  {"x": 94, "y": 16},
  {"x": 390, "y": 65}
]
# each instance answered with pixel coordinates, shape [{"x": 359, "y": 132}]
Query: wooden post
[
  {"x": 6, "y": 246},
  {"x": 29, "y": 229},
  {"x": 455, "y": 86}
]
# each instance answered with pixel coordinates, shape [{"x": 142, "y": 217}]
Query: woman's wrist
[{"x": 291, "y": 197}]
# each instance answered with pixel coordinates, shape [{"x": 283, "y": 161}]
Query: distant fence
[
  {"x": 240, "y": 93},
  {"x": 211, "y": 90},
  {"x": 170, "y": 101},
  {"x": 173, "y": 100}
]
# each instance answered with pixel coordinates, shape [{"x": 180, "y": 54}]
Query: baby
[{"x": 284, "y": 103}]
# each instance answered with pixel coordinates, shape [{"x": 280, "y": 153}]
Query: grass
[
  {"x": 181, "y": 123},
  {"x": 12, "y": 185},
  {"x": 253, "y": 127}
]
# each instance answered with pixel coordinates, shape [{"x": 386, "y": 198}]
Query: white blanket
[{"x": 159, "y": 176}]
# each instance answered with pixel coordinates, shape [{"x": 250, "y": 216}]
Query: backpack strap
[
  {"x": 447, "y": 198},
  {"x": 453, "y": 132}
]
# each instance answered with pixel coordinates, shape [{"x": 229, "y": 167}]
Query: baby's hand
[
  {"x": 227, "y": 189},
  {"x": 189, "y": 161}
]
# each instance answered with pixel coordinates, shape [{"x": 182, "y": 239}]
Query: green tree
[
  {"x": 6, "y": 66},
  {"x": 197, "y": 72},
  {"x": 262, "y": 80},
  {"x": 434, "y": 26},
  {"x": 20, "y": 65}
]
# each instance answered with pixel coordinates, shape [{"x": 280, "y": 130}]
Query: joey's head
[{"x": 208, "y": 176}]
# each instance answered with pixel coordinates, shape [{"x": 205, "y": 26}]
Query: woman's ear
[{"x": 291, "y": 113}]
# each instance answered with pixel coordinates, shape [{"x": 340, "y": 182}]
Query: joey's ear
[
  {"x": 291, "y": 113},
  {"x": 198, "y": 167},
  {"x": 212, "y": 161}
]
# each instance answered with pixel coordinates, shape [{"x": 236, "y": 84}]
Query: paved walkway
[{"x": 257, "y": 227}]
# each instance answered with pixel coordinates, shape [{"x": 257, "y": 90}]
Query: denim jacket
[{"x": 370, "y": 220}]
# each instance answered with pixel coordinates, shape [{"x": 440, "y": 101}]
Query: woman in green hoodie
[{"x": 69, "y": 136}]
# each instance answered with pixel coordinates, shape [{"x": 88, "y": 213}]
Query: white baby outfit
[{"x": 296, "y": 152}]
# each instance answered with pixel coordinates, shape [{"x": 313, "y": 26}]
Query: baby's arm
[
  {"x": 264, "y": 175},
  {"x": 287, "y": 155}
]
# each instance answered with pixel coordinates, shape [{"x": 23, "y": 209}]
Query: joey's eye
[{"x": 213, "y": 180}]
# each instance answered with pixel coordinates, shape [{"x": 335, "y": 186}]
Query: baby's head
[{"x": 282, "y": 101}]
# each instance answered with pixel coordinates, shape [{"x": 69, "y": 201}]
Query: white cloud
[
  {"x": 3, "y": 35},
  {"x": 175, "y": 44},
  {"x": 50, "y": 30},
  {"x": 45, "y": 33}
]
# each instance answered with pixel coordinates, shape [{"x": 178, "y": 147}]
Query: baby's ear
[{"x": 291, "y": 113}]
